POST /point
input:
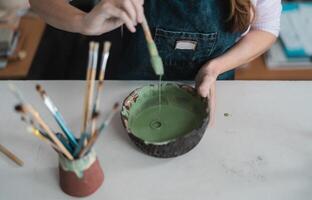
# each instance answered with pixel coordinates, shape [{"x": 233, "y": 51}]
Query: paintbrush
[
  {"x": 57, "y": 115},
  {"x": 11, "y": 156},
  {"x": 85, "y": 111},
  {"x": 65, "y": 142},
  {"x": 37, "y": 133},
  {"x": 105, "y": 55},
  {"x": 99, "y": 131},
  {"x": 82, "y": 140},
  {"x": 21, "y": 108},
  {"x": 31, "y": 123},
  {"x": 16, "y": 93},
  {"x": 28, "y": 119},
  {"x": 90, "y": 85},
  {"x": 95, "y": 116},
  {"x": 156, "y": 60},
  {"x": 84, "y": 137},
  {"x": 21, "y": 99}
]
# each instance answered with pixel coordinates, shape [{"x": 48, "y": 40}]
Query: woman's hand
[
  {"x": 206, "y": 87},
  {"x": 110, "y": 14},
  {"x": 252, "y": 45}
]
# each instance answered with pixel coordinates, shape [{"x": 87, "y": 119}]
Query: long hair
[{"x": 241, "y": 14}]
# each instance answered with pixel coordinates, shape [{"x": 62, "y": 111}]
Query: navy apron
[{"x": 188, "y": 33}]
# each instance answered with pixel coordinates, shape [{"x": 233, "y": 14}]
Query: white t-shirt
[{"x": 268, "y": 13}]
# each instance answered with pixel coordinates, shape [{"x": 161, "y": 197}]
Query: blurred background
[{"x": 30, "y": 49}]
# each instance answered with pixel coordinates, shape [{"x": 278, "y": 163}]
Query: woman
[{"x": 202, "y": 40}]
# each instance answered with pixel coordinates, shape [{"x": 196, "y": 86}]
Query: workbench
[{"x": 259, "y": 149}]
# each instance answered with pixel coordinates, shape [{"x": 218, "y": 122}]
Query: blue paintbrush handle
[
  {"x": 82, "y": 139},
  {"x": 64, "y": 141},
  {"x": 59, "y": 119},
  {"x": 102, "y": 127}
]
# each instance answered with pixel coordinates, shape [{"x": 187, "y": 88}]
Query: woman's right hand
[{"x": 111, "y": 14}]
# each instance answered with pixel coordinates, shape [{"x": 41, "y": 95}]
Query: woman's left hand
[{"x": 205, "y": 84}]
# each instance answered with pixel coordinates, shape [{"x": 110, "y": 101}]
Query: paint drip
[
  {"x": 78, "y": 166},
  {"x": 159, "y": 96}
]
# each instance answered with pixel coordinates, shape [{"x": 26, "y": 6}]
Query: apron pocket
[
  {"x": 177, "y": 47},
  {"x": 183, "y": 53}
]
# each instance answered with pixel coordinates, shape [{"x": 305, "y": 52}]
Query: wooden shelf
[
  {"x": 257, "y": 70},
  {"x": 31, "y": 29}
]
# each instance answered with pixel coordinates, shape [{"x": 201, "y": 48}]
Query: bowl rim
[{"x": 186, "y": 87}]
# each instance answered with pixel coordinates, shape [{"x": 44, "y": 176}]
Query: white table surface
[{"x": 263, "y": 150}]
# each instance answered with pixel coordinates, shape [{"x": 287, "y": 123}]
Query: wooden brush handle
[
  {"x": 41, "y": 122},
  {"x": 90, "y": 88},
  {"x": 146, "y": 29},
  {"x": 86, "y": 97},
  {"x": 10, "y": 155},
  {"x": 89, "y": 144},
  {"x": 156, "y": 60}
]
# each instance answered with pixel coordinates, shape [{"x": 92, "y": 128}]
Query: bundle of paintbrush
[{"x": 65, "y": 141}]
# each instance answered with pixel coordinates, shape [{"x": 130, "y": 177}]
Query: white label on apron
[{"x": 186, "y": 45}]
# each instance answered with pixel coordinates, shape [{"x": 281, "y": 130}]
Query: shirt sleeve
[{"x": 268, "y": 14}]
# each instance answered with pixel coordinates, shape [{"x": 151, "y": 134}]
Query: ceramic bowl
[{"x": 169, "y": 130}]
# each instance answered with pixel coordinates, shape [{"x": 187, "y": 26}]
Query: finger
[
  {"x": 212, "y": 105},
  {"x": 198, "y": 80},
  {"x": 118, "y": 13},
  {"x": 204, "y": 87},
  {"x": 138, "y": 4},
  {"x": 130, "y": 8},
  {"x": 199, "y": 77}
]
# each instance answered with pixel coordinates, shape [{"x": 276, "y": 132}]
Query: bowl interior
[{"x": 157, "y": 116}]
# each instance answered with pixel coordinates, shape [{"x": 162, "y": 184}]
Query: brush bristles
[
  {"x": 116, "y": 105},
  {"x": 95, "y": 55},
  {"x": 95, "y": 115},
  {"x": 90, "y": 59},
  {"x": 91, "y": 46},
  {"x": 107, "y": 46},
  {"x": 23, "y": 118},
  {"x": 40, "y": 89},
  {"x": 96, "y": 47},
  {"x": 19, "y": 108}
]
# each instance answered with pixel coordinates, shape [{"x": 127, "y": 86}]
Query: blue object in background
[{"x": 296, "y": 29}]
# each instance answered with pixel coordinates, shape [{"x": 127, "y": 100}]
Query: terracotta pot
[
  {"x": 167, "y": 147},
  {"x": 80, "y": 178}
]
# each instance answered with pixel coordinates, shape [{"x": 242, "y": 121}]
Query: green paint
[
  {"x": 181, "y": 112},
  {"x": 152, "y": 48},
  {"x": 226, "y": 114},
  {"x": 78, "y": 166},
  {"x": 159, "y": 94},
  {"x": 156, "y": 61}
]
